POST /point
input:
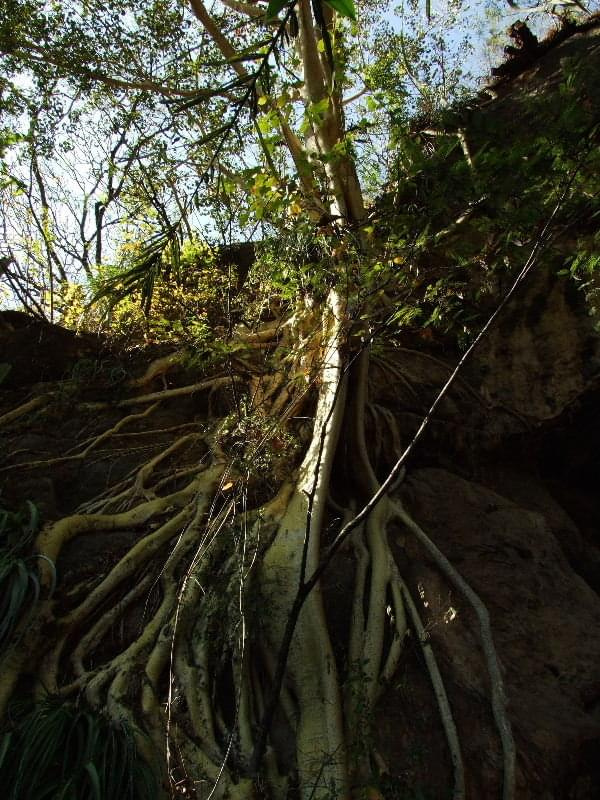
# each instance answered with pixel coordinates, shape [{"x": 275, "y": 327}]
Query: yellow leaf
[{"x": 262, "y": 100}]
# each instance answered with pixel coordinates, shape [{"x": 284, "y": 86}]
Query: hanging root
[
  {"x": 498, "y": 697},
  {"x": 377, "y": 578},
  {"x": 439, "y": 690}
]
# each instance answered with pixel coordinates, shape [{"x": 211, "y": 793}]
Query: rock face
[
  {"x": 38, "y": 351},
  {"x": 544, "y": 353},
  {"x": 543, "y": 615},
  {"x": 505, "y": 482},
  {"x": 507, "y": 486}
]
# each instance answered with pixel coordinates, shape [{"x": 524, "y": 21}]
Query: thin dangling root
[
  {"x": 439, "y": 690},
  {"x": 384, "y": 576},
  {"x": 498, "y": 697}
]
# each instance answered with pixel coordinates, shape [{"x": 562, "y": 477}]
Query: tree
[
  {"x": 221, "y": 542},
  {"x": 78, "y": 138}
]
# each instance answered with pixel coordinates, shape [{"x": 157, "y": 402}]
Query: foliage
[
  {"x": 103, "y": 142},
  {"x": 19, "y": 583},
  {"x": 58, "y": 751},
  {"x": 258, "y": 447},
  {"x": 187, "y": 302},
  {"x": 584, "y": 269},
  {"x": 456, "y": 231}
]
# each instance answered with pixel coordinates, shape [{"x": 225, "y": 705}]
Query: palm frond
[
  {"x": 159, "y": 257},
  {"x": 19, "y": 582},
  {"x": 56, "y": 750}
]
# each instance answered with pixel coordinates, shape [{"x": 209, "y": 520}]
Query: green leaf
[
  {"x": 94, "y": 780},
  {"x": 345, "y": 8},
  {"x": 4, "y": 370},
  {"x": 320, "y": 108},
  {"x": 34, "y": 519},
  {"x": 275, "y": 7}
]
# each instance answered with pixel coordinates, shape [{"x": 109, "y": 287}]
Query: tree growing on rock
[{"x": 231, "y": 682}]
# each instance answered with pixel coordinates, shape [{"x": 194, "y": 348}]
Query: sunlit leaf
[{"x": 345, "y": 8}]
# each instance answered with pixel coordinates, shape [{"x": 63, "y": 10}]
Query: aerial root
[
  {"x": 439, "y": 690},
  {"x": 144, "y": 473},
  {"x": 96, "y": 633},
  {"x": 31, "y": 405},
  {"x": 498, "y": 697},
  {"x": 378, "y": 547},
  {"x": 141, "y": 552},
  {"x": 159, "y": 368},
  {"x": 192, "y": 672},
  {"x": 294, "y": 628},
  {"x": 125, "y": 568},
  {"x": 53, "y": 537},
  {"x": 180, "y": 391},
  {"x": 92, "y": 444},
  {"x": 121, "y": 496}
]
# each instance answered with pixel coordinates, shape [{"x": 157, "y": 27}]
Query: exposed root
[
  {"x": 91, "y": 445},
  {"x": 53, "y": 537},
  {"x": 320, "y": 732},
  {"x": 440, "y": 692},
  {"x": 31, "y": 405},
  {"x": 90, "y": 640},
  {"x": 139, "y": 488},
  {"x": 166, "y": 394},
  {"x": 498, "y": 696},
  {"x": 158, "y": 368},
  {"x": 234, "y": 649}
]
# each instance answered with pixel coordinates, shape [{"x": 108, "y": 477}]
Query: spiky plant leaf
[
  {"x": 149, "y": 265},
  {"x": 57, "y": 751}
]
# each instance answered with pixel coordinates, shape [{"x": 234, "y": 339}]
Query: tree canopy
[{"x": 168, "y": 119}]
